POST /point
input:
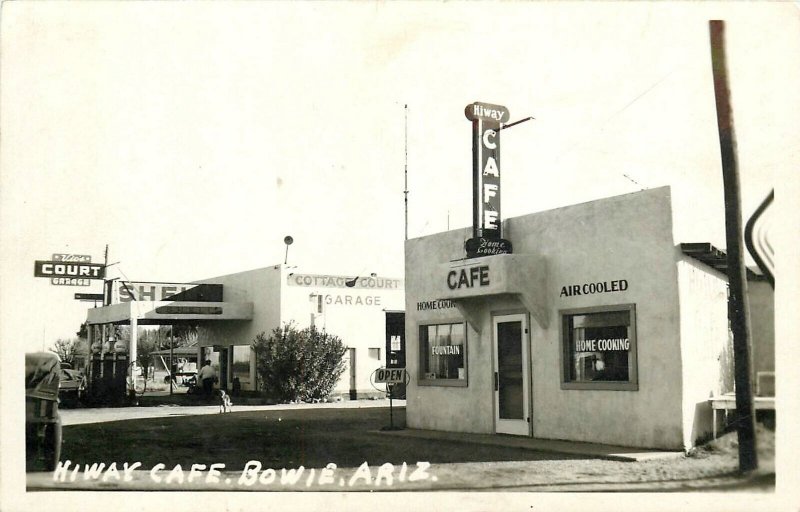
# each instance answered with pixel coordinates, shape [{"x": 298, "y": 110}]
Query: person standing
[{"x": 206, "y": 377}]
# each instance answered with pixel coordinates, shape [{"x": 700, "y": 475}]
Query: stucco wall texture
[
  {"x": 706, "y": 347},
  {"x": 356, "y": 315},
  {"x": 626, "y": 237}
]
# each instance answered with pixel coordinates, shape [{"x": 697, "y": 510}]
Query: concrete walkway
[
  {"x": 106, "y": 414},
  {"x": 601, "y": 451}
]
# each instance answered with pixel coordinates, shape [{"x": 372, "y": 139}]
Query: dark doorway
[{"x": 396, "y": 346}]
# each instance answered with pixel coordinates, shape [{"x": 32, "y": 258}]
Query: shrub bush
[{"x": 298, "y": 364}]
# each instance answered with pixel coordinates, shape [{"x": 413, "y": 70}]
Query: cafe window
[
  {"x": 599, "y": 348},
  {"x": 443, "y": 354}
]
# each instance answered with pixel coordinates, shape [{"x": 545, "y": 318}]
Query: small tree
[
  {"x": 297, "y": 364},
  {"x": 69, "y": 350},
  {"x": 83, "y": 332}
]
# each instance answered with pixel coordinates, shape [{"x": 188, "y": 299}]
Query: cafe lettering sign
[
  {"x": 487, "y": 120},
  {"x": 473, "y": 277},
  {"x": 446, "y": 350},
  {"x": 572, "y": 290},
  {"x": 603, "y": 345}
]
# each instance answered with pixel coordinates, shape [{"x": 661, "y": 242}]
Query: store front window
[
  {"x": 443, "y": 353},
  {"x": 599, "y": 348}
]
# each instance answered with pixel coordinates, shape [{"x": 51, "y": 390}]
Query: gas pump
[{"x": 108, "y": 370}]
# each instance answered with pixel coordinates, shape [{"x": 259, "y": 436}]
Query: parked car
[
  {"x": 42, "y": 422},
  {"x": 71, "y": 386}
]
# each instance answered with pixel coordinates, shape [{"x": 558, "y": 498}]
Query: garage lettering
[{"x": 353, "y": 300}]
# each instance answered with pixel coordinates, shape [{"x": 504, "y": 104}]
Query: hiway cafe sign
[
  {"x": 69, "y": 270},
  {"x": 486, "y": 124}
]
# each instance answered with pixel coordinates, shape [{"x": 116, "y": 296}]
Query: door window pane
[{"x": 509, "y": 370}]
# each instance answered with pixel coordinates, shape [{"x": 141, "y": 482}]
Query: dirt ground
[{"x": 276, "y": 450}]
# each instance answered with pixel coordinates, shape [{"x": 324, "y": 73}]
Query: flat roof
[{"x": 715, "y": 258}]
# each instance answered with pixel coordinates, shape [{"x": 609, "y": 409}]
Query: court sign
[{"x": 62, "y": 271}]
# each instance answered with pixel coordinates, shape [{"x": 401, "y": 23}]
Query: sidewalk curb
[{"x": 598, "y": 451}]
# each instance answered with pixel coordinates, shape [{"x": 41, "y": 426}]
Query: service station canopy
[
  {"x": 166, "y": 303},
  {"x": 166, "y": 312}
]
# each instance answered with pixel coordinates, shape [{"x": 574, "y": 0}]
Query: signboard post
[{"x": 390, "y": 377}]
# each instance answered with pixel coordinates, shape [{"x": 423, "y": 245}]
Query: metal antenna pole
[
  {"x": 405, "y": 189},
  {"x": 737, "y": 301},
  {"x": 171, "y": 365}
]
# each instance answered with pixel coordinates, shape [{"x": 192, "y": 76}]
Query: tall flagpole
[{"x": 405, "y": 189}]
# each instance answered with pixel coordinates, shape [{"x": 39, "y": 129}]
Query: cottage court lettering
[
  {"x": 344, "y": 281},
  {"x": 468, "y": 278}
]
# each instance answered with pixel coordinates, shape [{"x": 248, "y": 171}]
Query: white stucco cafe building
[{"x": 598, "y": 327}]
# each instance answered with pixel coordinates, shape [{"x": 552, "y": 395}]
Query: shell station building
[
  {"x": 366, "y": 312},
  {"x": 598, "y": 327}
]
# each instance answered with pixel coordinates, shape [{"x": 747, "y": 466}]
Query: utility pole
[{"x": 738, "y": 313}]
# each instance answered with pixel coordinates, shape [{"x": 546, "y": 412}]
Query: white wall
[
  {"x": 706, "y": 350},
  {"x": 626, "y": 237},
  {"x": 357, "y": 315},
  {"x": 261, "y": 287}
]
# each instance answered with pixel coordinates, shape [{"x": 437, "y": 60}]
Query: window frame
[
  {"x": 421, "y": 379},
  {"x": 633, "y": 362}
]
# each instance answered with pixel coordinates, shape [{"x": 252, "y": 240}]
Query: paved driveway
[{"x": 105, "y": 414}]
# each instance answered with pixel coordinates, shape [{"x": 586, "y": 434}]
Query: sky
[{"x": 191, "y": 138}]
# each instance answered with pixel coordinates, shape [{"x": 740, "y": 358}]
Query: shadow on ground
[{"x": 285, "y": 438}]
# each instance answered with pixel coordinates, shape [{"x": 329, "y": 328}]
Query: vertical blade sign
[{"x": 486, "y": 122}]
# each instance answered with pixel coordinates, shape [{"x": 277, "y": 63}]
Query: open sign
[{"x": 390, "y": 375}]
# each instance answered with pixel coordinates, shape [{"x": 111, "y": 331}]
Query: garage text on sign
[{"x": 390, "y": 375}]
